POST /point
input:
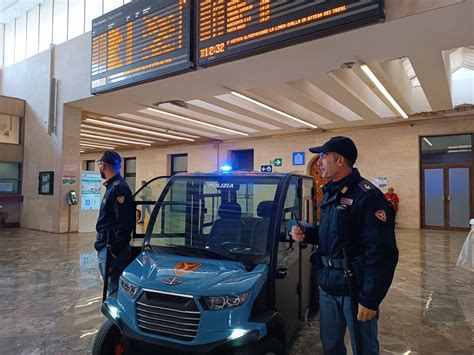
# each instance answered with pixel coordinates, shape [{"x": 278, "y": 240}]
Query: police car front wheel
[{"x": 108, "y": 340}]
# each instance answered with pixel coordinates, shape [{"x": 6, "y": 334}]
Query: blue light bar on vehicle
[{"x": 226, "y": 168}]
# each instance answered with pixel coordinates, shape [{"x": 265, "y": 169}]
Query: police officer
[
  {"x": 116, "y": 220},
  {"x": 355, "y": 216}
]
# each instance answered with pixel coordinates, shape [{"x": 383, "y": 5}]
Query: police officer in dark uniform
[
  {"x": 116, "y": 219},
  {"x": 356, "y": 217}
]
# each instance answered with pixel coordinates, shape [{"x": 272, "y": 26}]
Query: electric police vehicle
[{"x": 217, "y": 271}]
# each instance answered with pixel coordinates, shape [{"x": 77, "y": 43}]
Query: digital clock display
[{"x": 235, "y": 28}]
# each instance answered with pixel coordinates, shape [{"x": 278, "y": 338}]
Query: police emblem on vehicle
[
  {"x": 185, "y": 267},
  {"x": 172, "y": 281}
]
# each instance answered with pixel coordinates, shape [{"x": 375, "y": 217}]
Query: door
[
  {"x": 145, "y": 200},
  {"x": 319, "y": 182},
  {"x": 292, "y": 292},
  {"x": 447, "y": 195}
]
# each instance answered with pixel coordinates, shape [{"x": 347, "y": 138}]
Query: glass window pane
[
  {"x": 179, "y": 164},
  {"x": 446, "y": 149},
  {"x": 60, "y": 22},
  {"x": 110, "y": 5},
  {"x": 76, "y": 18},
  {"x": 32, "y": 32},
  {"x": 434, "y": 192},
  {"x": 9, "y": 129},
  {"x": 2, "y": 42},
  {"x": 130, "y": 165},
  {"x": 20, "y": 38},
  {"x": 46, "y": 25},
  {"x": 459, "y": 197},
  {"x": 93, "y": 10},
  {"x": 10, "y": 43},
  {"x": 9, "y": 171}
]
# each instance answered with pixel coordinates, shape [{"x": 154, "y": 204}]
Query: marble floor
[{"x": 50, "y": 295}]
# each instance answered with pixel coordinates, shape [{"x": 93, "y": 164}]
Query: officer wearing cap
[
  {"x": 356, "y": 217},
  {"x": 116, "y": 220}
]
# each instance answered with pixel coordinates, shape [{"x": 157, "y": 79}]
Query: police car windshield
[{"x": 228, "y": 215}]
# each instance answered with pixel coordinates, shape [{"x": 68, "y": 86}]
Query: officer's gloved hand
[{"x": 297, "y": 233}]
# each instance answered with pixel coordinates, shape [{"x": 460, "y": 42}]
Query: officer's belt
[{"x": 332, "y": 263}]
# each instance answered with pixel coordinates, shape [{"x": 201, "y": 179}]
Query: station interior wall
[{"x": 391, "y": 152}]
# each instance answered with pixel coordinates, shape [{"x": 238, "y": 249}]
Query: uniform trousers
[
  {"x": 117, "y": 265},
  {"x": 336, "y": 316}
]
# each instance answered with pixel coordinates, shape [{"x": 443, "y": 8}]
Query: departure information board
[
  {"x": 228, "y": 29},
  {"x": 140, "y": 41}
]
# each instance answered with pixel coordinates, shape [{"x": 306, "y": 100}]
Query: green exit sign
[{"x": 277, "y": 162}]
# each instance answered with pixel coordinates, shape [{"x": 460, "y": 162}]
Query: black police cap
[
  {"x": 111, "y": 158},
  {"x": 340, "y": 145}
]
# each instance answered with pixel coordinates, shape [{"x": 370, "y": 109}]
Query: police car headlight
[
  {"x": 215, "y": 303},
  {"x": 130, "y": 289}
]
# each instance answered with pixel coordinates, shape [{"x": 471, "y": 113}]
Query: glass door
[
  {"x": 433, "y": 198},
  {"x": 458, "y": 198}
]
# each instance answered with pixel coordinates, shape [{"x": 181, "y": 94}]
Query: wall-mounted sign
[
  {"x": 46, "y": 183},
  {"x": 266, "y": 168},
  {"x": 69, "y": 179},
  {"x": 277, "y": 162},
  {"x": 90, "y": 191},
  {"x": 140, "y": 41},
  {"x": 228, "y": 30},
  {"x": 380, "y": 181},
  {"x": 298, "y": 158}
]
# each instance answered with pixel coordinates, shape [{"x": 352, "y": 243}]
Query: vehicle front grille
[{"x": 168, "y": 315}]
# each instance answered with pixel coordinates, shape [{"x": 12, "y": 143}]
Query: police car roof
[{"x": 257, "y": 174}]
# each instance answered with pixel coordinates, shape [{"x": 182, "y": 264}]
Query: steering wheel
[{"x": 236, "y": 246}]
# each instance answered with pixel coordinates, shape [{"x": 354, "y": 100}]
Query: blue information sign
[
  {"x": 266, "y": 168},
  {"x": 298, "y": 158}
]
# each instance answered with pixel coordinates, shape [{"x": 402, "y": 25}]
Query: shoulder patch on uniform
[
  {"x": 116, "y": 182},
  {"x": 366, "y": 185},
  {"x": 380, "y": 214},
  {"x": 121, "y": 199}
]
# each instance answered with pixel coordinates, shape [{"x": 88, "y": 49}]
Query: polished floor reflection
[{"x": 50, "y": 296}]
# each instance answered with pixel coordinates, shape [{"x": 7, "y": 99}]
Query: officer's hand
[
  {"x": 365, "y": 314},
  {"x": 297, "y": 233}
]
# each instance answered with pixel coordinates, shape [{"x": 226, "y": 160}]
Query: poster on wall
[
  {"x": 380, "y": 181},
  {"x": 90, "y": 191}
]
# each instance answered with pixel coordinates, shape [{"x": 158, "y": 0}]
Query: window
[
  {"x": 76, "y": 18},
  {"x": 110, "y": 5},
  {"x": 130, "y": 172},
  {"x": 9, "y": 43},
  {"x": 10, "y": 179},
  {"x": 10, "y": 129},
  {"x": 93, "y": 10},
  {"x": 2, "y": 42},
  {"x": 242, "y": 160},
  {"x": 446, "y": 149},
  {"x": 46, "y": 25},
  {"x": 20, "y": 38},
  {"x": 60, "y": 22},
  {"x": 90, "y": 165},
  {"x": 32, "y": 32},
  {"x": 179, "y": 163}
]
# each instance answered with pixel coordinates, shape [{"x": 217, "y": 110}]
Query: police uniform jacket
[
  {"x": 117, "y": 214},
  {"x": 356, "y": 216}
]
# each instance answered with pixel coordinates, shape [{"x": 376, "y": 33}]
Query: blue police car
[{"x": 217, "y": 271}]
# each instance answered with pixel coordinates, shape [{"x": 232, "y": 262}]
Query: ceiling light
[
  {"x": 129, "y": 135},
  {"x": 96, "y": 146},
  {"x": 115, "y": 136},
  {"x": 137, "y": 129},
  {"x": 382, "y": 89},
  {"x": 427, "y": 141},
  {"x": 113, "y": 139},
  {"x": 98, "y": 141},
  {"x": 261, "y": 104},
  {"x": 195, "y": 121}
]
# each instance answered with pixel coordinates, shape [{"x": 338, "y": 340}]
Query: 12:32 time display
[{"x": 212, "y": 50}]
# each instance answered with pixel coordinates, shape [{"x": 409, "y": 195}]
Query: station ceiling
[{"x": 312, "y": 86}]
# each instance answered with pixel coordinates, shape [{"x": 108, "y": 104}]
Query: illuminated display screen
[
  {"x": 235, "y": 28},
  {"x": 140, "y": 41}
]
